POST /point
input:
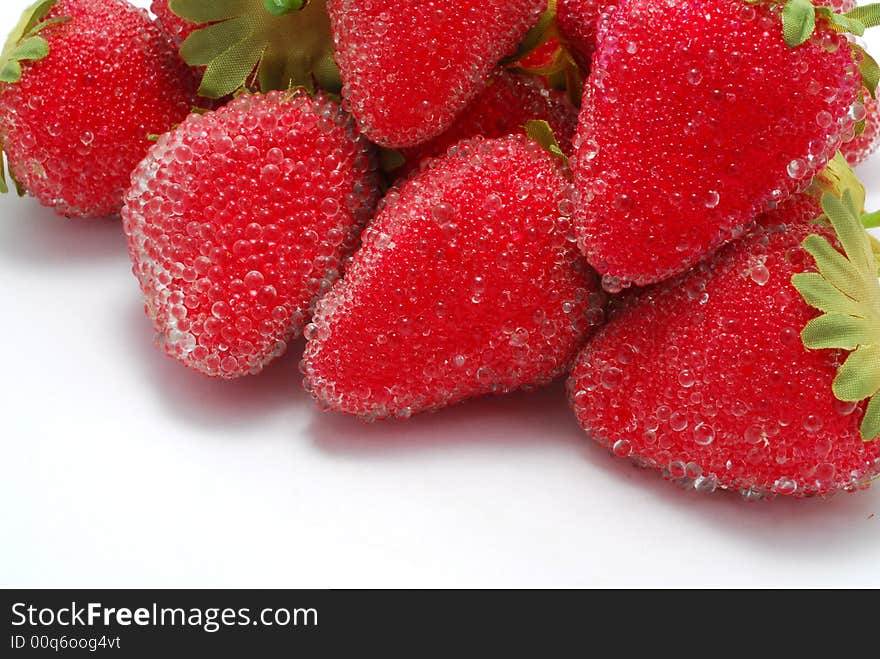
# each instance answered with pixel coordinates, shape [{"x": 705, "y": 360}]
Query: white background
[{"x": 121, "y": 467}]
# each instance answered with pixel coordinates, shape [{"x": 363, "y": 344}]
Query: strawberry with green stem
[
  {"x": 83, "y": 83},
  {"x": 726, "y": 377}
]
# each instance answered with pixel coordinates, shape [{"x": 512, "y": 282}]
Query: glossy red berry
[
  {"x": 468, "y": 283},
  {"x": 679, "y": 149},
  {"x": 410, "y": 67},
  {"x": 79, "y": 120},
  {"x": 239, "y": 219}
]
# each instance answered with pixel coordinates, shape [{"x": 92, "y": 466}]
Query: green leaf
[
  {"x": 541, "y": 132},
  {"x": 21, "y": 45},
  {"x": 870, "y": 429},
  {"x": 868, "y": 68},
  {"x": 281, "y": 7},
  {"x": 837, "y": 177},
  {"x": 834, "y": 267},
  {"x": 798, "y": 22},
  {"x": 867, "y": 15},
  {"x": 245, "y": 42},
  {"x": 33, "y": 48},
  {"x": 834, "y": 330},
  {"x": 203, "y": 46},
  {"x": 11, "y": 72},
  {"x": 820, "y": 294},
  {"x": 230, "y": 70},
  {"x": 841, "y": 213},
  {"x": 210, "y": 11},
  {"x": 859, "y": 377},
  {"x": 847, "y": 24}
]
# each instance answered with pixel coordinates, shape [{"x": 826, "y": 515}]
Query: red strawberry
[
  {"x": 862, "y": 146},
  {"x": 239, "y": 218},
  {"x": 89, "y": 82},
  {"x": 504, "y": 107},
  {"x": 578, "y": 20},
  {"x": 178, "y": 28},
  {"x": 468, "y": 283},
  {"x": 705, "y": 377},
  {"x": 410, "y": 67},
  {"x": 542, "y": 56},
  {"x": 680, "y": 148}
]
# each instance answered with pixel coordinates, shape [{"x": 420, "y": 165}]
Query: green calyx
[
  {"x": 562, "y": 72},
  {"x": 847, "y": 291},
  {"x": 799, "y": 18},
  {"x": 24, "y": 43},
  {"x": 280, "y": 44},
  {"x": 541, "y": 132},
  {"x": 281, "y": 7}
]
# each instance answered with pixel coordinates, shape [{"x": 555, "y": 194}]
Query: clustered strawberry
[{"x": 450, "y": 200}]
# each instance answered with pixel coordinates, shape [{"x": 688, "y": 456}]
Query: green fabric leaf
[
  {"x": 541, "y": 132},
  {"x": 834, "y": 330},
  {"x": 30, "y": 17},
  {"x": 11, "y": 72},
  {"x": 281, "y": 7},
  {"x": 867, "y": 15},
  {"x": 859, "y": 377},
  {"x": 33, "y": 48},
  {"x": 203, "y": 46},
  {"x": 230, "y": 71},
  {"x": 820, "y": 294},
  {"x": 288, "y": 50},
  {"x": 842, "y": 213},
  {"x": 846, "y": 288},
  {"x": 210, "y": 11},
  {"x": 22, "y": 46},
  {"x": 798, "y": 21},
  {"x": 834, "y": 267},
  {"x": 848, "y": 24},
  {"x": 870, "y": 429},
  {"x": 869, "y": 69},
  {"x": 837, "y": 177}
]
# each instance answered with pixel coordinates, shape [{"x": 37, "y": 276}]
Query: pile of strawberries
[{"x": 653, "y": 197}]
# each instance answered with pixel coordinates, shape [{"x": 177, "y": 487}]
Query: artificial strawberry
[
  {"x": 577, "y": 21},
  {"x": 864, "y": 143},
  {"x": 706, "y": 378},
  {"x": 239, "y": 218},
  {"x": 177, "y": 28},
  {"x": 83, "y": 84},
  {"x": 507, "y": 104},
  {"x": 410, "y": 67},
  {"x": 467, "y": 283},
  {"x": 681, "y": 148}
]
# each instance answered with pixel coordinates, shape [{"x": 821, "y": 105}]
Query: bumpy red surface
[
  {"x": 542, "y": 55},
  {"x": 468, "y": 283},
  {"x": 78, "y": 122},
  {"x": 409, "y": 67},
  {"x": 577, "y": 24},
  {"x": 238, "y": 219},
  {"x": 705, "y": 378},
  {"x": 503, "y": 108},
  {"x": 863, "y": 146},
  {"x": 178, "y": 28},
  {"x": 680, "y": 148}
]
